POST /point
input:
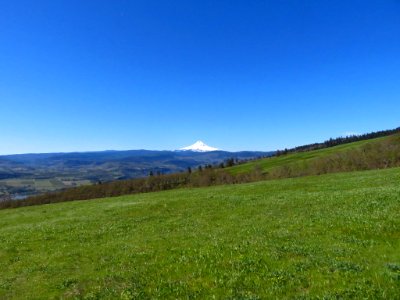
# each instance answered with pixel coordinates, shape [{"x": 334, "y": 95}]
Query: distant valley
[{"x": 30, "y": 174}]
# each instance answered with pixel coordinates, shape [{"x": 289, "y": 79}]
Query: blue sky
[{"x": 255, "y": 75}]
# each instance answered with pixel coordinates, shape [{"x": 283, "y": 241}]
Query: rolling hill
[
  {"x": 291, "y": 159},
  {"x": 334, "y": 236}
]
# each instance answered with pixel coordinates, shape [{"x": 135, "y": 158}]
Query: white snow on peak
[{"x": 199, "y": 146}]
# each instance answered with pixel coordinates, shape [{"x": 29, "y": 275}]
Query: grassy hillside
[
  {"x": 268, "y": 164},
  {"x": 332, "y": 236}
]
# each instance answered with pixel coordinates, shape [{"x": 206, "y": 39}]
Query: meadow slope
[
  {"x": 267, "y": 164},
  {"x": 331, "y": 236}
]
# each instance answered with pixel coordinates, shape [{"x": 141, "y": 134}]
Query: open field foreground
[{"x": 332, "y": 236}]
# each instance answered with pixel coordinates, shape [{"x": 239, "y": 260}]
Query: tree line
[{"x": 332, "y": 142}]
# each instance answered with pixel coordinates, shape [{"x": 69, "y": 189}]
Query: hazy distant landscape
[{"x": 31, "y": 174}]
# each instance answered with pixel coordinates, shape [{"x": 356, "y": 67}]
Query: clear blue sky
[{"x": 257, "y": 75}]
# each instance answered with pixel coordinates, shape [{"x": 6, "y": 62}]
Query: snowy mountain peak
[{"x": 199, "y": 146}]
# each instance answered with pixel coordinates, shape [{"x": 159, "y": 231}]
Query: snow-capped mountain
[{"x": 199, "y": 146}]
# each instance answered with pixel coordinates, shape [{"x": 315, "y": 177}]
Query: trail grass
[
  {"x": 328, "y": 237},
  {"x": 267, "y": 164}
]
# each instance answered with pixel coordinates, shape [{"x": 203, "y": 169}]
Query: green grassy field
[
  {"x": 333, "y": 236},
  {"x": 267, "y": 164}
]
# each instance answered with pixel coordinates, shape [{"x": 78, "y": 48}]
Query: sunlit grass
[{"x": 332, "y": 236}]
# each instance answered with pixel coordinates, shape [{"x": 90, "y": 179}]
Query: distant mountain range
[{"x": 27, "y": 174}]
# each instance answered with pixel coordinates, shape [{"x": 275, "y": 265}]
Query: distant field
[
  {"x": 329, "y": 237},
  {"x": 32, "y": 186},
  {"x": 267, "y": 164}
]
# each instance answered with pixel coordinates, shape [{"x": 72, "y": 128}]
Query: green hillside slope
[
  {"x": 333, "y": 236},
  {"x": 267, "y": 164}
]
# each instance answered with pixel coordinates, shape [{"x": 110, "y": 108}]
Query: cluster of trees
[
  {"x": 339, "y": 141},
  {"x": 230, "y": 162},
  {"x": 375, "y": 155}
]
